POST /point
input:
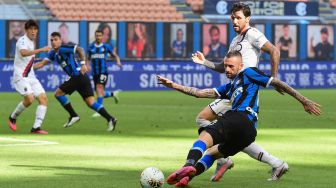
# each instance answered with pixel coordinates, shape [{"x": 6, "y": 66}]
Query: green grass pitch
[{"x": 157, "y": 129}]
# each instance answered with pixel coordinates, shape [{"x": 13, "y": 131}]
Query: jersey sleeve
[
  {"x": 223, "y": 90},
  {"x": 109, "y": 49},
  {"x": 68, "y": 49},
  {"x": 258, "y": 77},
  {"x": 22, "y": 44},
  {"x": 51, "y": 56},
  {"x": 256, "y": 38},
  {"x": 89, "y": 52}
]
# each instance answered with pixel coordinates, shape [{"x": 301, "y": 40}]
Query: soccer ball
[{"x": 151, "y": 177}]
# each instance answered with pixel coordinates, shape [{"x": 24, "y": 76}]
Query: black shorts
[
  {"x": 79, "y": 83},
  {"x": 100, "y": 79},
  {"x": 233, "y": 132}
]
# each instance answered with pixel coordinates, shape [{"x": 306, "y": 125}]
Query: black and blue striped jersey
[
  {"x": 98, "y": 55},
  {"x": 243, "y": 90},
  {"x": 65, "y": 57}
]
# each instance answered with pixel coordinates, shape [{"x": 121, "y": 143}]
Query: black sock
[
  {"x": 70, "y": 110},
  {"x": 193, "y": 156},
  {"x": 105, "y": 114},
  {"x": 200, "y": 168}
]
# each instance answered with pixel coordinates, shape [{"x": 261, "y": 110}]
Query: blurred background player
[
  {"x": 17, "y": 31},
  {"x": 79, "y": 81},
  {"x": 97, "y": 54},
  {"x": 24, "y": 79},
  {"x": 249, "y": 42},
  {"x": 323, "y": 50},
  {"x": 65, "y": 33},
  {"x": 216, "y": 49},
  {"x": 285, "y": 42},
  {"x": 179, "y": 47}
]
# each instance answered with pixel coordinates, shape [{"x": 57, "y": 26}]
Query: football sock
[
  {"x": 70, "y": 110},
  {"x": 100, "y": 100},
  {"x": 18, "y": 110},
  {"x": 204, "y": 164},
  {"x": 195, "y": 153},
  {"x": 104, "y": 113},
  {"x": 202, "y": 122},
  {"x": 108, "y": 94},
  {"x": 63, "y": 100},
  {"x": 66, "y": 105},
  {"x": 258, "y": 153},
  {"x": 41, "y": 110}
]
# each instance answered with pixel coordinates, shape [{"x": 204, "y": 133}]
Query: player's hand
[
  {"x": 46, "y": 49},
  {"x": 278, "y": 89},
  {"x": 119, "y": 64},
  {"x": 83, "y": 69},
  {"x": 164, "y": 81},
  {"x": 312, "y": 107},
  {"x": 198, "y": 58}
]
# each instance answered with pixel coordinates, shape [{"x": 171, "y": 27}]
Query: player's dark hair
[
  {"x": 285, "y": 25},
  {"x": 31, "y": 23},
  {"x": 98, "y": 31},
  {"x": 233, "y": 54},
  {"x": 214, "y": 27},
  {"x": 55, "y": 34},
  {"x": 241, "y": 6}
]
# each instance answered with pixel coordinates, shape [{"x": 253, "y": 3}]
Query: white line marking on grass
[{"x": 26, "y": 142}]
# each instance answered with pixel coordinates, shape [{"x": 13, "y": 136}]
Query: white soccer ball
[{"x": 151, "y": 177}]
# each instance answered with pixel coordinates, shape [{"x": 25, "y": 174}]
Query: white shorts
[
  {"x": 220, "y": 106},
  {"x": 26, "y": 86}
]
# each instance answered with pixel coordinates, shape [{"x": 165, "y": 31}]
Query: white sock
[
  {"x": 258, "y": 153},
  {"x": 202, "y": 122},
  {"x": 41, "y": 110},
  {"x": 18, "y": 110}
]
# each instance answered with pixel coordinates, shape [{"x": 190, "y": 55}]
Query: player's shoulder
[
  {"x": 252, "y": 71},
  {"x": 22, "y": 40},
  {"x": 252, "y": 31},
  {"x": 92, "y": 45}
]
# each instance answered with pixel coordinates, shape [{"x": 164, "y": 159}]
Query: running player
[
  {"x": 24, "y": 79},
  {"x": 79, "y": 80},
  {"x": 236, "y": 129},
  {"x": 249, "y": 42},
  {"x": 97, "y": 54}
]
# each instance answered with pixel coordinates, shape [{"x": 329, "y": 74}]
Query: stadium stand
[
  {"x": 38, "y": 9},
  {"x": 327, "y": 10},
  {"x": 114, "y": 10},
  {"x": 13, "y": 10}
]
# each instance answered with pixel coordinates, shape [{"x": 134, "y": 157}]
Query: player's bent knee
[
  {"x": 202, "y": 122},
  {"x": 28, "y": 100}
]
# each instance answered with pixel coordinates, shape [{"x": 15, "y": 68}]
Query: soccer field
[{"x": 157, "y": 129}]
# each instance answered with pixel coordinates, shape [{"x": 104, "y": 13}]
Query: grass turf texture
[{"x": 157, "y": 129}]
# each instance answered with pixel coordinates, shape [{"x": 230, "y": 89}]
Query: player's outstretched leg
[
  {"x": 74, "y": 118},
  {"x": 279, "y": 167},
  {"x": 27, "y": 101},
  {"x": 41, "y": 110},
  {"x": 112, "y": 122},
  {"x": 223, "y": 164},
  {"x": 277, "y": 172},
  {"x": 195, "y": 153}
]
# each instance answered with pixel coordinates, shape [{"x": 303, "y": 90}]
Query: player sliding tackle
[{"x": 236, "y": 129}]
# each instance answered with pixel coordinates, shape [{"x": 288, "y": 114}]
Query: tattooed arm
[
  {"x": 309, "y": 106},
  {"x": 192, "y": 91},
  {"x": 199, "y": 58}
]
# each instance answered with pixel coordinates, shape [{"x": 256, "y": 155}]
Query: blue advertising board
[
  {"x": 264, "y": 8},
  {"x": 142, "y": 75}
]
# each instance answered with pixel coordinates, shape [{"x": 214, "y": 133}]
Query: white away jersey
[
  {"x": 249, "y": 44},
  {"x": 23, "y": 66}
]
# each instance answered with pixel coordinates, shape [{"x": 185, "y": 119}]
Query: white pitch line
[{"x": 28, "y": 142}]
